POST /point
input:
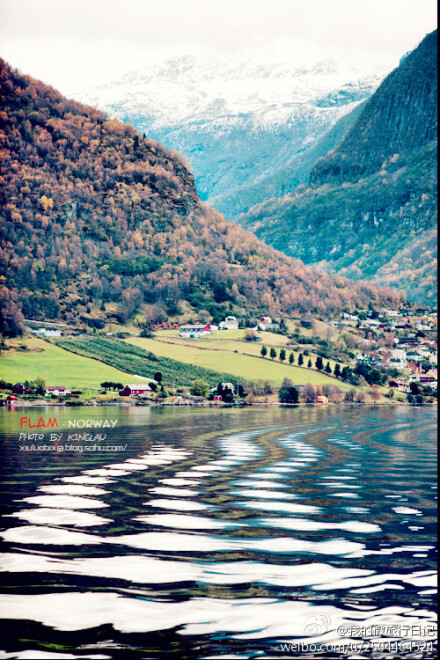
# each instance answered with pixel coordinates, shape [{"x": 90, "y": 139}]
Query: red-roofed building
[{"x": 137, "y": 389}]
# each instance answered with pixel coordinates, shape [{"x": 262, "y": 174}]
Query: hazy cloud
[{"x": 76, "y": 44}]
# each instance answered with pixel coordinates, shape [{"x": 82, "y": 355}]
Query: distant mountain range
[
  {"x": 249, "y": 131},
  {"x": 99, "y": 223},
  {"x": 369, "y": 209}
]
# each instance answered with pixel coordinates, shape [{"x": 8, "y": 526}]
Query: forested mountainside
[
  {"x": 246, "y": 128},
  {"x": 97, "y": 219},
  {"x": 370, "y": 209}
]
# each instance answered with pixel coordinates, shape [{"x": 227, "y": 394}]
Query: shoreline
[{"x": 154, "y": 404}]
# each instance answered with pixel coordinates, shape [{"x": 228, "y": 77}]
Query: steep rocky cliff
[
  {"x": 370, "y": 209},
  {"x": 399, "y": 118}
]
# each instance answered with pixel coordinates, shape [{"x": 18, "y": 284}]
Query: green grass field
[
  {"x": 219, "y": 354},
  {"x": 134, "y": 359},
  {"x": 233, "y": 340},
  {"x": 56, "y": 366}
]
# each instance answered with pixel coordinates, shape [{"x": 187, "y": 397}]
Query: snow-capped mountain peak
[{"x": 235, "y": 120}]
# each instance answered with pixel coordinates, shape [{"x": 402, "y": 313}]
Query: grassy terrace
[
  {"x": 143, "y": 362},
  {"x": 86, "y": 362},
  {"x": 55, "y": 365},
  {"x": 229, "y": 352}
]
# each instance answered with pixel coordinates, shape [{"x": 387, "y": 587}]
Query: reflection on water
[{"x": 222, "y": 534}]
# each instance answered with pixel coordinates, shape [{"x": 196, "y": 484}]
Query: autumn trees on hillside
[{"x": 93, "y": 213}]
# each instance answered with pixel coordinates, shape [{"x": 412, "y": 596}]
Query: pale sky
[{"x": 78, "y": 44}]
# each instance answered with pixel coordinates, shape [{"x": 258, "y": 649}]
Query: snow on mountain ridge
[
  {"x": 240, "y": 124},
  {"x": 182, "y": 89}
]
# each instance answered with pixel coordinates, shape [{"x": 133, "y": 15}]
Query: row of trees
[
  {"x": 36, "y": 387},
  {"x": 319, "y": 364},
  {"x": 109, "y": 385}
]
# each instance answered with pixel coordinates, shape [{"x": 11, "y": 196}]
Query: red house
[{"x": 138, "y": 389}]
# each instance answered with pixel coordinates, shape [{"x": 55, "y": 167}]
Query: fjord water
[{"x": 233, "y": 533}]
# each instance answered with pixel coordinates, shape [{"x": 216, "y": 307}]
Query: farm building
[
  {"x": 58, "y": 390},
  {"x": 264, "y": 323},
  {"x": 137, "y": 389},
  {"x": 193, "y": 330},
  {"x": 230, "y": 323}
]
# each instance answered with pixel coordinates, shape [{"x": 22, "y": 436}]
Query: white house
[
  {"x": 398, "y": 358},
  {"x": 230, "y": 323},
  {"x": 57, "y": 391},
  {"x": 264, "y": 323},
  {"x": 44, "y": 332},
  {"x": 192, "y": 331}
]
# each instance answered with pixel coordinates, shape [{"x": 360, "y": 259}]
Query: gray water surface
[{"x": 234, "y": 533}]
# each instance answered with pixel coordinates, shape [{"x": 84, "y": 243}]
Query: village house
[
  {"x": 400, "y": 386},
  {"x": 401, "y": 325},
  {"x": 230, "y": 323},
  {"x": 409, "y": 341},
  {"x": 193, "y": 331},
  {"x": 371, "y": 323},
  {"x": 264, "y": 323},
  {"x": 430, "y": 378},
  {"x": 57, "y": 390},
  {"x": 398, "y": 358},
  {"x": 368, "y": 360},
  {"x": 352, "y": 318},
  {"x": 45, "y": 332},
  {"x": 390, "y": 313},
  {"x": 137, "y": 389}
]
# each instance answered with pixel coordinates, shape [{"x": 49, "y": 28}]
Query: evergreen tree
[
  {"x": 282, "y": 355},
  {"x": 273, "y": 353},
  {"x": 328, "y": 368},
  {"x": 291, "y": 358},
  {"x": 309, "y": 364},
  {"x": 337, "y": 370},
  {"x": 300, "y": 359},
  {"x": 263, "y": 351},
  {"x": 319, "y": 363},
  {"x": 346, "y": 373}
]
